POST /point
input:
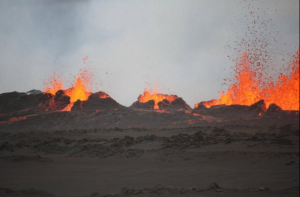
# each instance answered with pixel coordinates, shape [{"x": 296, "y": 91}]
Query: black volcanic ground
[{"x": 102, "y": 148}]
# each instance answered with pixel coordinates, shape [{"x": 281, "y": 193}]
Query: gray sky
[{"x": 179, "y": 44}]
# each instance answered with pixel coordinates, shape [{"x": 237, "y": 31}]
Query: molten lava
[
  {"x": 156, "y": 97},
  {"x": 80, "y": 90},
  {"x": 248, "y": 87},
  {"x": 53, "y": 84},
  {"x": 285, "y": 92}
]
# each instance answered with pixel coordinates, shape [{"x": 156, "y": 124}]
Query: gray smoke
[{"x": 179, "y": 44}]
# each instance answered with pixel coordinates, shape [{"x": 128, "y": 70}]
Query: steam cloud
[{"x": 178, "y": 43}]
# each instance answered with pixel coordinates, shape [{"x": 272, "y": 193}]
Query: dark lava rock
[
  {"x": 232, "y": 111},
  {"x": 177, "y": 104},
  {"x": 33, "y": 191},
  {"x": 61, "y": 100},
  {"x": 274, "y": 108},
  {"x": 16, "y": 101},
  {"x": 258, "y": 107},
  {"x": 6, "y": 191},
  {"x": 97, "y": 101},
  {"x": 199, "y": 136},
  {"x": 183, "y": 141},
  {"x": 138, "y": 105},
  {"x": 290, "y": 163},
  {"x": 283, "y": 141},
  {"x": 213, "y": 186},
  {"x": 19, "y": 158},
  {"x": 7, "y": 146},
  {"x": 55, "y": 102},
  {"x": 34, "y": 92},
  {"x": 219, "y": 131},
  {"x": 228, "y": 141},
  {"x": 94, "y": 194},
  {"x": 288, "y": 129},
  {"x": 264, "y": 189},
  {"x": 164, "y": 104},
  {"x": 24, "y": 192},
  {"x": 274, "y": 111}
]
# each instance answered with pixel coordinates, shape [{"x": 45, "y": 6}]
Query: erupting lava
[
  {"x": 156, "y": 97},
  {"x": 80, "y": 90},
  {"x": 249, "y": 87},
  {"x": 53, "y": 84},
  {"x": 256, "y": 75}
]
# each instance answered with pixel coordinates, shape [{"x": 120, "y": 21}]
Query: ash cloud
[{"x": 179, "y": 44}]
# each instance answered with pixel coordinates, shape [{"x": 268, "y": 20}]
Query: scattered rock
[
  {"x": 274, "y": 108},
  {"x": 228, "y": 141},
  {"x": 31, "y": 192},
  {"x": 283, "y": 141},
  {"x": 213, "y": 186},
  {"x": 18, "y": 158},
  {"x": 290, "y": 163},
  {"x": 264, "y": 189},
  {"x": 6, "y": 191}
]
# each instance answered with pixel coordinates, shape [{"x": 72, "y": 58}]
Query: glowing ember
[
  {"x": 285, "y": 92},
  {"x": 53, "y": 84},
  {"x": 104, "y": 96},
  {"x": 245, "y": 90},
  {"x": 156, "y": 97}
]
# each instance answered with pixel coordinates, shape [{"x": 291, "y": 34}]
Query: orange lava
[
  {"x": 104, "y": 96},
  {"x": 81, "y": 90},
  {"x": 210, "y": 103},
  {"x": 285, "y": 92},
  {"x": 53, "y": 84},
  {"x": 248, "y": 88},
  {"x": 156, "y": 97},
  {"x": 77, "y": 92}
]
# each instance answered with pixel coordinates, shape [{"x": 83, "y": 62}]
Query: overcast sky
[{"x": 179, "y": 44}]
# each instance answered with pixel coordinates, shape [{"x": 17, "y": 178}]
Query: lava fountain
[
  {"x": 147, "y": 96},
  {"x": 248, "y": 88},
  {"x": 257, "y": 75},
  {"x": 81, "y": 90},
  {"x": 53, "y": 84}
]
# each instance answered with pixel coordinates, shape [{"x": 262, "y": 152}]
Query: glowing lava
[
  {"x": 81, "y": 90},
  {"x": 78, "y": 92},
  {"x": 285, "y": 92},
  {"x": 156, "y": 97},
  {"x": 53, "y": 84},
  {"x": 248, "y": 88}
]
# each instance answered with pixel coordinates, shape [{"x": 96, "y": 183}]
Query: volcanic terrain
[
  {"x": 75, "y": 142},
  {"x": 100, "y": 148}
]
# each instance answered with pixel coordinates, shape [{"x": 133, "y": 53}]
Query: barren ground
[{"x": 205, "y": 161}]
